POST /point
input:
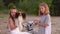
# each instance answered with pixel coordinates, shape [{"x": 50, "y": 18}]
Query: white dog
[{"x": 21, "y": 17}]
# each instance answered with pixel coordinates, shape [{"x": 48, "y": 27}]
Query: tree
[
  {"x": 31, "y": 6},
  {"x": 55, "y": 8}
]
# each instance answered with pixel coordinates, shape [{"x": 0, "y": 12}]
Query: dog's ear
[
  {"x": 16, "y": 15},
  {"x": 24, "y": 15}
]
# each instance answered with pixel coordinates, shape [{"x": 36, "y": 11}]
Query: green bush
[
  {"x": 31, "y": 6},
  {"x": 10, "y": 5},
  {"x": 55, "y": 8},
  {"x": 1, "y": 4}
]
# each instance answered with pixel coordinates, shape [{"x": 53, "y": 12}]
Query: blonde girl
[{"x": 44, "y": 20}]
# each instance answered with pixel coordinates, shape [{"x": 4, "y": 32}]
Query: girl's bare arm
[
  {"x": 43, "y": 25},
  {"x": 11, "y": 23}
]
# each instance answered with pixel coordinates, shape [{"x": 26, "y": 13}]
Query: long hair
[
  {"x": 46, "y": 9},
  {"x": 10, "y": 13}
]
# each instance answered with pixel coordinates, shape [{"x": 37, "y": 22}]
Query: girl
[
  {"x": 44, "y": 20},
  {"x": 13, "y": 23}
]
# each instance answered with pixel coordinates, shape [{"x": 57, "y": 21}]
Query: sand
[{"x": 55, "y": 24}]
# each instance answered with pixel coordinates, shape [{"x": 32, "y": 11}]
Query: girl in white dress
[
  {"x": 44, "y": 20},
  {"x": 13, "y": 23}
]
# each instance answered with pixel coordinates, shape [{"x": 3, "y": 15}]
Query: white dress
[
  {"x": 45, "y": 19},
  {"x": 16, "y": 30}
]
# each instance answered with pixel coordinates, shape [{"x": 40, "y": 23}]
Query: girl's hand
[{"x": 36, "y": 22}]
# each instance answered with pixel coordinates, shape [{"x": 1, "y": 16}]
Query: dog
[
  {"x": 21, "y": 16},
  {"x": 30, "y": 26}
]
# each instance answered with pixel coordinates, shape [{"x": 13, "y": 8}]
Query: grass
[
  {"x": 1, "y": 16},
  {"x": 4, "y": 11}
]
